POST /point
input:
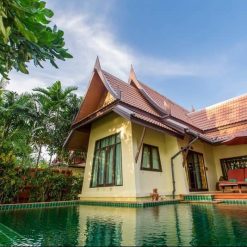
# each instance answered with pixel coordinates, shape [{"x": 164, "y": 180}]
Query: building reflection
[{"x": 171, "y": 225}]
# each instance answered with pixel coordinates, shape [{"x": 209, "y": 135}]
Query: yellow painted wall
[
  {"x": 101, "y": 128},
  {"x": 140, "y": 183},
  {"x": 224, "y": 151},
  {"x": 147, "y": 180}
]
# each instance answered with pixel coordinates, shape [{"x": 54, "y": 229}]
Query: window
[
  {"x": 107, "y": 164},
  {"x": 150, "y": 158},
  {"x": 233, "y": 163}
]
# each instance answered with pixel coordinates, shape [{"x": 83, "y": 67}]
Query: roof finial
[
  {"x": 97, "y": 64},
  {"x": 192, "y": 108},
  {"x": 132, "y": 74}
]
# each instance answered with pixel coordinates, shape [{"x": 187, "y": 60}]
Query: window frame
[
  {"x": 192, "y": 152},
  {"x": 107, "y": 151},
  {"x": 226, "y": 164},
  {"x": 150, "y": 147}
]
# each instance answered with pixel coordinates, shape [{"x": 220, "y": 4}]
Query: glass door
[{"x": 196, "y": 172}]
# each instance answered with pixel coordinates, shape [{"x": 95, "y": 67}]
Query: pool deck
[
  {"x": 215, "y": 197},
  {"x": 212, "y": 197},
  {"x": 132, "y": 204},
  {"x": 218, "y": 195}
]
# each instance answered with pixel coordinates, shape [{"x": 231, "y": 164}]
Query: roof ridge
[
  {"x": 186, "y": 110},
  {"x": 218, "y": 104},
  {"x": 171, "y": 101}
]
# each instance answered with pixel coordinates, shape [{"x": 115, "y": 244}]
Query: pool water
[{"x": 171, "y": 225}]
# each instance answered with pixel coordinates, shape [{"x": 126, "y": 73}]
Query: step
[{"x": 203, "y": 202}]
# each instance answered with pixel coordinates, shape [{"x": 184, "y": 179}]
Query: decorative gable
[{"x": 99, "y": 94}]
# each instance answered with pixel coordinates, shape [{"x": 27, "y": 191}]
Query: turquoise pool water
[{"x": 172, "y": 225}]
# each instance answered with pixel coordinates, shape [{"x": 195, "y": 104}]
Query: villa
[{"x": 137, "y": 139}]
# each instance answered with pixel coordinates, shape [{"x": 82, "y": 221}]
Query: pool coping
[
  {"x": 136, "y": 204},
  {"x": 144, "y": 204},
  {"x": 33, "y": 205}
]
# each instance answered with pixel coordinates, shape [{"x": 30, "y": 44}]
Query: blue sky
[{"x": 194, "y": 52}]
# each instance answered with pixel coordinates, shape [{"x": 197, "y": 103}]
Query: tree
[
  {"x": 59, "y": 106},
  {"x": 25, "y": 35},
  {"x": 15, "y": 124},
  {"x": 29, "y": 122}
]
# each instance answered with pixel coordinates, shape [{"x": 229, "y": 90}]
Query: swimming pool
[{"x": 172, "y": 225}]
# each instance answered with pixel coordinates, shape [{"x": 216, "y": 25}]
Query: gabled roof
[
  {"x": 171, "y": 107},
  {"x": 139, "y": 103},
  {"x": 222, "y": 114},
  {"x": 129, "y": 94}
]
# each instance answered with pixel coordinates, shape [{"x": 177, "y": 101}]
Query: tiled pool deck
[
  {"x": 138, "y": 204},
  {"x": 5, "y": 207},
  {"x": 142, "y": 204}
]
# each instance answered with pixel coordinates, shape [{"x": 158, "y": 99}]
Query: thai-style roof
[
  {"x": 224, "y": 113},
  {"x": 141, "y": 104}
]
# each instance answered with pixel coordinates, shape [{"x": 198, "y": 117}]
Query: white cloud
[
  {"x": 87, "y": 35},
  {"x": 21, "y": 83}
]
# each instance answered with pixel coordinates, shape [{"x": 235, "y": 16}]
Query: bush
[{"x": 38, "y": 185}]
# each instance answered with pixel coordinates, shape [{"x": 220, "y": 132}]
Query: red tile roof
[
  {"x": 155, "y": 122},
  {"x": 227, "y": 132},
  {"x": 175, "y": 110},
  {"x": 222, "y": 114},
  {"x": 222, "y": 120},
  {"x": 129, "y": 94},
  {"x": 225, "y": 113}
]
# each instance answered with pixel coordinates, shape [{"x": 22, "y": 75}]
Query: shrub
[{"x": 39, "y": 185}]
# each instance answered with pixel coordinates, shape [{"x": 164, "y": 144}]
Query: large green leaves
[{"x": 25, "y": 35}]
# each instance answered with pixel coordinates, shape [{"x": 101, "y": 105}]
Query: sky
[{"x": 194, "y": 52}]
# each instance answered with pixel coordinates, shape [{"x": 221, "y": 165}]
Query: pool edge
[{"x": 36, "y": 205}]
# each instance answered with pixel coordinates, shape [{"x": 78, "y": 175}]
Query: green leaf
[
  {"x": 42, "y": 4},
  {"x": 48, "y": 13},
  {"x": 54, "y": 64},
  {"x": 2, "y": 27},
  {"x": 23, "y": 68},
  {"x": 24, "y": 31},
  {"x": 65, "y": 54},
  {"x": 6, "y": 38},
  {"x": 25, "y": 35}
]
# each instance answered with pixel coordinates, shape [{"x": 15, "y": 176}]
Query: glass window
[
  {"x": 146, "y": 157},
  {"x": 155, "y": 158},
  {"x": 107, "y": 164},
  {"x": 150, "y": 158},
  {"x": 233, "y": 163},
  {"x": 118, "y": 171}
]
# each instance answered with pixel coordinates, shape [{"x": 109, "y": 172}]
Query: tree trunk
[
  {"x": 50, "y": 159},
  {"x": 37, "y": 163}
]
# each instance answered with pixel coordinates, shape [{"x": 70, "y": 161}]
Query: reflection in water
[
  {"x": 171, "y": 225},
  {"x": 103, "y": 233}
]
